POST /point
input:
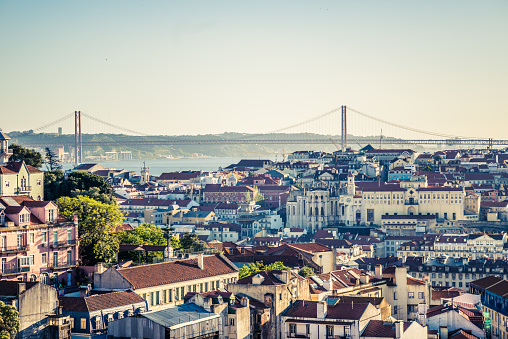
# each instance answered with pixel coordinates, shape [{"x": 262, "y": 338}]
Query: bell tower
[
  {"x": 5, "y": 154},
  {"x": 145, "y": 174}
]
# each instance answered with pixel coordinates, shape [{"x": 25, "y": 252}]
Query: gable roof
[{"x": 177, "y": 271}]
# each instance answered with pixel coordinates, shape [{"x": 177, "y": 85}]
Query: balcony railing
[
  {"x": 15, "y": 270},
  {"x": 24, "y": 189},
  {"x": 13, "y": 249},
  {"x": 65, "y": 243}
]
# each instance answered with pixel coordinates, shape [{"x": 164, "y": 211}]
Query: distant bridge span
[{"x": 189, "y": 141}]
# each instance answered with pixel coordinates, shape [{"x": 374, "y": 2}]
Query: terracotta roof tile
[
  {"x": 99, "y": 301},
  {"x": 176, "y": 271}
]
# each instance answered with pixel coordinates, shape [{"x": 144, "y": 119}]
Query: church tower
[
  {"x": 351, "y": 187},
  {"x": 145, "y": 174},
  {"x": 4, "y": 148}
]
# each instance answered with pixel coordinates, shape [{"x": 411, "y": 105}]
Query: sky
[{"x": 207, "y": 67}]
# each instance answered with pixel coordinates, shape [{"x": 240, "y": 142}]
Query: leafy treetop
[
  {"x": 98, "y": 242},
  {"x": 248, "y": 270},
  {"x": 9, "y": 321},
  {"x": 29, "y": 156}
]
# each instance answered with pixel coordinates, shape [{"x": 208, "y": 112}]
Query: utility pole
[
  {"x": 78, "y": 141},
  {"x": 344, "y": 129}
]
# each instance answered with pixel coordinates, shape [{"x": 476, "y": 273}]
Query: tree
[
  {"x": 29, "y": 156},
  {"x": 248, "y": 270},
  {"x": 98, "y": 242},
  {"x": 306, "y": 271},
  {"x": 9, "y": 321},
  {"x": 437, "y": 159},
  {"x": 191, "y": 241},
  {"x": 175, "y": 242},
  {"x": 52, "y": 181},
  {"x": 144, "y": 234},
  {"x": 52, "y": 162},
  {"x": 77, "y": 184}
]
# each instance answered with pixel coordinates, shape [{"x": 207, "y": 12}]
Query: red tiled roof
[
  {"x": 176, "y": 271},
  {"x": 99, "y": 301},
  {"x": 377, "y": 328},
  {"x": 308, "y": 309},
  {"x": 311, "y": 247}
]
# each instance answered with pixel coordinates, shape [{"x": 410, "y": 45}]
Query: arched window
[
  {"x": 32, "y": 277},
  {"x": 294, "y": 210},
  {"x": 322, "y": 211},
  {"x": 317, "y": 211},
  {"x": 44, "y": 278}
]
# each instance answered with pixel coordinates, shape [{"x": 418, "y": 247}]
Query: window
[
  {"x": 143, "y": 296},
  {"x": 7, "y": 183},
  {"x": 55, "y": 259},
  {"x": 83, "y": 324},
  {"x": 4, "y": 242},
  {"x": 31, "y": 238},
  {"x": 44, "y": 258},
  {"x": 411, "y": 295},
  {"x": 421, "y": 295},
  {"x": 292, "y": 328},
  {"x": 329, "y": 330},
  {"x": 69, "y": 257},
  {"x": 394, "y": 296},
  {"x": 152, "y": 299},
  {"x": 206, "y": 287},
  {"x": 307, "y": 329},
  {"x": 55, "y": 237},
  {"x": 44, "y": 237},
  {"x": 201, "y": 288},
  {"x": 164, "y": 296},
  {"x": 231, "y": 322},
  {"x": 346, "y": 331},
  {"x": 38, "y": 182},
  {"x": 32, "y": 260},
  {"x": 69, "y": 234},
  {"x": 157, "y": 298}
]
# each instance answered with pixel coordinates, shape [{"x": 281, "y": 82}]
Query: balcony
[
  {"x": 23, "y": 190},
  {"x": 411, "y": 202},
  {"x": 15, "y": 270},
  {"x": 13, "y": 249},
  {"x": 65, "y": 243}
]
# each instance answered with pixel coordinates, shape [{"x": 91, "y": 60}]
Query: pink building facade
[{"x": 35, "y": 243}]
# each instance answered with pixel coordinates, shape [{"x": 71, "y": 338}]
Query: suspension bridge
[{"x": 344, "y": 124}]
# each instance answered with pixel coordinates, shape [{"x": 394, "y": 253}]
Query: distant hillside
[{"x": 146, "y": 152}]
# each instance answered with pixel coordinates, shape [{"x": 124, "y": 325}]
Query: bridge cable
[
  {"x": 113, "y": 126},
  {"x": 409, "y": 128},
  {"x": 54, "y": 122}
]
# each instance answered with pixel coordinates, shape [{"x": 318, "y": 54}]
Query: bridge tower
[
  {"x": 78, "y": 142},
  {"x": 344, "y": 129}
]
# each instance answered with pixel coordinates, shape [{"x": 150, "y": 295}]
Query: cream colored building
[{"x": 165, "y": 284}]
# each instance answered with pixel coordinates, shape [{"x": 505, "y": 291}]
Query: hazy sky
[{"x": 195, "y": 67}]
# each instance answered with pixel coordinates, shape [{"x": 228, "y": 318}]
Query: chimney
[
  {"x": 21, "y": 288},
  {"x": 322, "y": 309},
  {"x": 200, "y": 261},
  {"x": 245, "y": 302},
  {"x": 327, "y": 285},
  {"x": 364, "y": 279},
  {"x": 379, "y": 272},
  {"x": 257, "y": 279},
  {"x": 99, "y": 268},
  {"x": 83, "y": 291},
  {"x": 399, "y": 329},
  {"x": 443, "y": 332}
]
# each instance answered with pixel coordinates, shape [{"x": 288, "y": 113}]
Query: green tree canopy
[
  {"x": 29, "y": 156},
  {"x": 191, "y": 241},
  {"x": 98, "y": 242},
  {"x": 144, "y": 234},
  {"x": 52, "y": 161},
  {"x": 77, "y": 184},
  {"x": 248, "y": 270},
  {"x": 306, "y": 271},
  {"x": 9, "y": 321}
]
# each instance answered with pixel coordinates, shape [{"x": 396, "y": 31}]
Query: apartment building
[
  {"x": 494, "y": 296},
  {"x": 474, "y": 246},
  {"x": 165, "y": 284},
  {"x": 35, "y": 243}
]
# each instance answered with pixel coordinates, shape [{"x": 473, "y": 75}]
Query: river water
[{"x": 158, "y": 166}]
